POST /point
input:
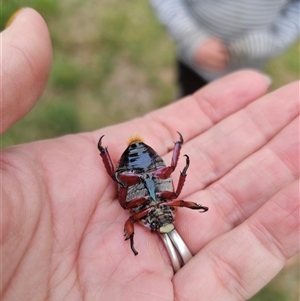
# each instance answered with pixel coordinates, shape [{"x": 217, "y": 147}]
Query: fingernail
[
  {"x": 13, "y": 17},
  {"x": 268, "y": 79}
]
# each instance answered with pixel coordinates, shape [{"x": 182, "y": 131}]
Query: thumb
[{"x": 25, "y": 65}]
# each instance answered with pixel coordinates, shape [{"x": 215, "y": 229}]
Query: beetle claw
[
  {"x": 180, "y": 137},
  {"x": 187, "y": 164},
  {"x": 135, "y": 252},
  {"x": 202, "y": 208},
  {"x": 100, "y": 147}
]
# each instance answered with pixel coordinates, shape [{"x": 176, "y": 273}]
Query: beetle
[{"x": 145, "y": 186}]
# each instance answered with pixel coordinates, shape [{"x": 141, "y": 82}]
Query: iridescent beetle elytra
[{"x": 145, "y": 186}]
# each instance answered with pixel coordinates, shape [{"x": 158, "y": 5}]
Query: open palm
[{"x": 62, "y": 226}]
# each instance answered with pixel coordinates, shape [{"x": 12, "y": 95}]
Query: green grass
[
  {"x": 285, "y": 68},
  {"x": 106, "y": 53}
]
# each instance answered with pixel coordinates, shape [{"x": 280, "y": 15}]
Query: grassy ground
[{"x": 106, "y": 52}]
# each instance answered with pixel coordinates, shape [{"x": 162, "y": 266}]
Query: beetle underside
[{"x": 145, "y": 187}]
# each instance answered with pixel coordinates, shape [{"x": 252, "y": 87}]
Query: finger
[
  {"x": 225, "y": 145},
  {"x": 208, "y": 106},
  {"x": 26, "y": 60},
  {"x": 242, "y": 261},
  {"x": 241, "y": 156},
  {"x": 237, "y": 137},
  {"x": 191, "y": 116},
  {"x": 242, "y": 191},
  {"x": 260, "y": 176}
]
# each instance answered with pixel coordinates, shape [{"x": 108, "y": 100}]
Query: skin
[
  {"x": 212, "y": 55},
  {"x": 62, "y": 226}
]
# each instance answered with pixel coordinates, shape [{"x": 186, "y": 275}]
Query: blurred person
[
  {"x": 61, "y": 223},
  {"x": 216, "y": 37}
]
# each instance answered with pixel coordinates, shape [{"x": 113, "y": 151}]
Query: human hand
[
  {"x": 62, "y": 226},
  {"x": 212, "y": 55},
  {"x": 24, "y": 53}
]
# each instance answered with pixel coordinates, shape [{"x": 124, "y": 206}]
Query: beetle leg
[
  {"x": 176, "y": 152},
  {"x": 166, "y": 195},
  {"x": 122, "y": 196},
  {"x": 127, "y": 179},
  {"x": 170, "y": 195},
  {"x": 182, "y": 176},
  {"x": 133, "y": 203},
  {"x": 129, "y": 227},
  {"x": 129, "y": 233},
  {"x": 165, "y": 172},
  {"x": 137, "y": 202},
  {"x": 190, "y": 205},
  {"x": 106, "y": 158}
]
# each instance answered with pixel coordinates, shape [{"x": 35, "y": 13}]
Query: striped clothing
[{"x": 252, "y": 30}]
